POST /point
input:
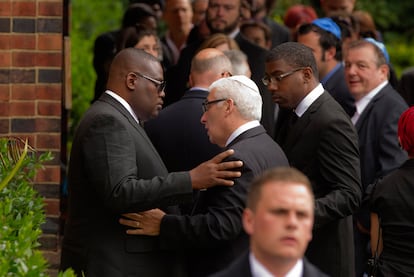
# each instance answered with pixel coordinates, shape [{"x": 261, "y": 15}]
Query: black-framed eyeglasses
[
  {"x": 206, "y": 103},
  {"x": 160, "y": 85},
  {"x": 267, "y": 80}
]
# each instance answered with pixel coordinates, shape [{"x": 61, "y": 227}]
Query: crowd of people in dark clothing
[{"x": 198, "y": 101}]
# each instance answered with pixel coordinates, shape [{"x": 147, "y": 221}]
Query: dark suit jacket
[
  {"x": 378, "y": 141},
  {"x": 241, "y": 268},
  {"x": 115, "y": 169},
  {"x": 213, "y": 236},
  {"x": 179, "y": 136},
  {"x": 177, "y": 76},
  {"x": 337, "y": 87},
  {"x": 323, "y": 144},
  {"x": 406, "y": 86}
]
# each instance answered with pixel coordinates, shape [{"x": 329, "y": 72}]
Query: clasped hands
[{"x": 208, "y": 174}]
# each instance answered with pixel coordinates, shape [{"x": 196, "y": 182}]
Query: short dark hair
[
  {"x": 326, "y": 39},
  {"x": 294, "y": 54},
  {"x": 275, "y": 175}
]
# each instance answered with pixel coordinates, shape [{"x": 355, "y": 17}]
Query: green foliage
[
  {"x": 89, "y": 19},
  {"x": 21, "y": 210}
]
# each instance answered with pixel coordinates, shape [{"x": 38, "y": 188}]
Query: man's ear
[
  {"x": 130, "y": 82},
  {"x": 248, "y": 221}
]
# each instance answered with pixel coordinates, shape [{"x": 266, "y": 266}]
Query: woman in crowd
[{"x": 392, "y": 206}]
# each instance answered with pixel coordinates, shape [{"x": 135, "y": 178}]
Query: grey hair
[
  {"x": 246, "y": 97},
  {"x": 239, "y": 62}
]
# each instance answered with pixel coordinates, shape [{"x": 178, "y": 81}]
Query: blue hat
[
  {"x": 328, "y": 25},
  {"x": 381, "y": 46}
]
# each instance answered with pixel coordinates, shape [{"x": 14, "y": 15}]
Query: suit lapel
[
  {"x": 365, "y": 113},
  {"x": 295, "y": 133}
]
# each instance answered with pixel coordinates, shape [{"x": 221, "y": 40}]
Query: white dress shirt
[
  {"x": 258, "y": 270},
  {"x": 123, "y": 103},
  {"x": 308, "y": 100},
  {"x": 241, "y": 129}
]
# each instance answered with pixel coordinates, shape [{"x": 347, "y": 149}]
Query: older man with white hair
[{"x": 212, "y": 235}]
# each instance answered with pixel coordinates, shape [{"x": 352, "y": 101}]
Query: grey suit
[
  {"x": 115, "y": 169},
  {"x": 323, "y": 144}
]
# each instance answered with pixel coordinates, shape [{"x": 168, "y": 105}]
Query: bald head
[{"x": 207, "y": 66}]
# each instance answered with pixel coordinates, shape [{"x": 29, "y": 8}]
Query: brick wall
[{"x": 31, "y": 93}]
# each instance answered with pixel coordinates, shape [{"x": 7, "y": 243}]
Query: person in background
[
  {"x": 392, "y": 208},
  {"x": 115, "y": 169},
  {"x": 257, "y": 32},
  {"x": 105, "y": 44},
  {"x": 212, "y": 235},
  {"x": 199, "y": 10},
  {"x": 319, "y": 139},
  {"x": 323, "y": 36},
  {"x": 331, "y": 6},
  {"x": 178, "y": 16},
  {"x": 260, "y": 11},
  {"x": 140, "y": 37},
  {"x": 219, "y": 41},
  {"x": 297, "y": 15},
  {"x": 278, "y": 218},
  {"x": 406, "y": 86},
  {"x": 378, "y": 108},
  {"x": 239, "y": 62}
]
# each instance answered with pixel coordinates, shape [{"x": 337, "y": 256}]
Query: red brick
[
  {"x": 50, "y": 8},
  {"x": 5, "y": 59},
  {"x": 48, "y": 125},
  {"x": 49, "y": 108},
  {"x": 5, "y": 8},
  {"x": 50, "y": 174},
  {"x": 49, "y": 59},
  {"x": 24, "y": 8},
  {"x": 26, "y": 108},
  {"x": 53, "y": 259},
  {"x": 4, "y": 126},
  {"x": 4, "y": 93},
  {"x": 48, "y": 141},
  {"x": 23, "y": 59},
  {"x": 4, "y": 109},
  {"x": 4, "y": 39},
  {"x": 23, "y": 41},
  {"x": 49, "y": 92},
  {"x": 49, "y": 42},
  {"x": 23, "y": 92},
  {"x": 52, "y": 206}
]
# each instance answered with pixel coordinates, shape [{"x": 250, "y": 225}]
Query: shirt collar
[
  {"x": 308, "y": 100},
  {"x": 362, "y": 103},
  {"x": 258, "y": 270},
  {"x": 123, "y": 103},
  {"x": 241, "y": 129},
  {"x": 330, "y": 73}
]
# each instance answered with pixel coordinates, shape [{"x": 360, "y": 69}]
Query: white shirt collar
[
  {"x": 123, "y": 103},
  {"x": 234, "y": 34},
  {"x": 309, "y": 99},
  {"x": 362, "y": 103},
  {"x": 258, "y": 270},
  {"x": 241, "y": 129}
]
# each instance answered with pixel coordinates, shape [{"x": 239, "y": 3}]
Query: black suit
[
  {"x": 241, "y": 268},
  {"x": 113, "y": 169},
  {"x": 380, "y": 153},
  {"x": 179, "y": 136},
  {"x": 177, "y": 76},
  {"x": 323, "y": 144},
  {"x": 337, "y": 87},
  {"x": 213, "y": 235}
]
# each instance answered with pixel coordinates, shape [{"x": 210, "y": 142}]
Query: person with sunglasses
[
  {"x": 319, "y": 139},
  {"x": 115, "y": 169}
]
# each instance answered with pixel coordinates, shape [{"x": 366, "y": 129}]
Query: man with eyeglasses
[
  {"x": 115, "y": 169},
  {"x": 212, "y": 235},
  {"x": 319, "y": 139}
]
